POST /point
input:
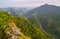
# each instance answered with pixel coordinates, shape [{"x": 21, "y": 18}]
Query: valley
[{"x": 30, "y": 23}]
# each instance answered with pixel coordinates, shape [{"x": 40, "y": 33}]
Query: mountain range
[
  {"x": 15, "y": 11},
  {"x": 49, "y": 18},
  {"x": 44, "y": 9},
  {"x": 38, "y": 23}
]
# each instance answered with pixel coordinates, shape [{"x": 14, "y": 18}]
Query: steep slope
[
  {"x": 8, "y": 29},
  {"x": 3, "y": 19},
  {"x": 49, "y": 18},
  {"x": 19, "y": 28},
  {"x": 30, "y": 29}
]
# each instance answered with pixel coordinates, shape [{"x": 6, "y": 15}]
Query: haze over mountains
[
  {"x": 49, "y": 18},
  {"x": 44, "y": 9},
  {"x": 37, "y": 23},
  {"x": 15, "y": 11}
]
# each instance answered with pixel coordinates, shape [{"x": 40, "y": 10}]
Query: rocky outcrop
[{"x": 12, "y": 32}]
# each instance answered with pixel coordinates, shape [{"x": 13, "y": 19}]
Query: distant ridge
[
  {"x": 49, "y": 18},
  {"x": 44, "y": 8}
]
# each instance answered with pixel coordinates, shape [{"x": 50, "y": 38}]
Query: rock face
[{"x": 12, "y": 32}]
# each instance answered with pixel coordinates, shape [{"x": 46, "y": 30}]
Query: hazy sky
[{"x": 27, "y": 3}]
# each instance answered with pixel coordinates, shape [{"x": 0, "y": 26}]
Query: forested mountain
[
  {"x": 44, "y": 9},
  {"x": 19, "y": 28},
  {"x": 38, "y": 23},
  {"x": 49, "y": 18}
]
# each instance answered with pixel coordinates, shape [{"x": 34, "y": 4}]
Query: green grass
[{"x": 27, "y": 28}]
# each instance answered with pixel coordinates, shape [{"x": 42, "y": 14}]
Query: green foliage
[
  {"x": 26, "y": 27},
  {"x": 50, "y": 22},
  {"x": 30, "y": 29},
  {"x": 3, "y": 21}
]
